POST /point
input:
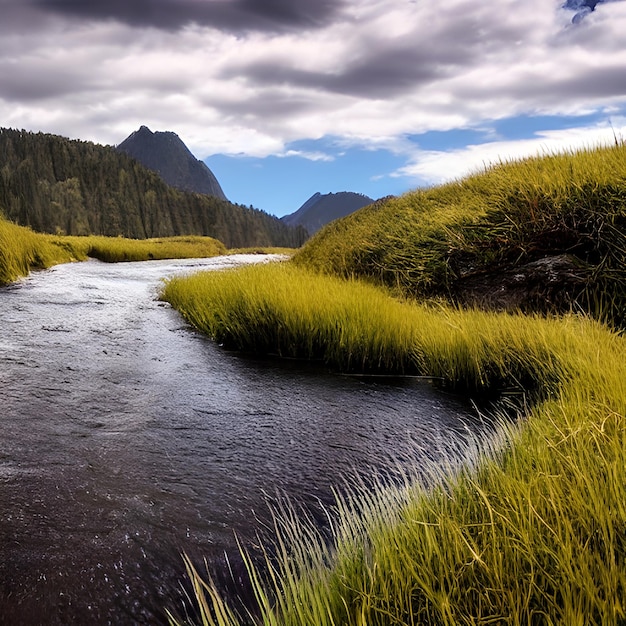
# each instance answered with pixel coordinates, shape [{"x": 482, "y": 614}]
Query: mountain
[
  {"x": 320, "y": 209},
  {"x": 57, "y": 185},
  {"x": 167, "y": 155}
]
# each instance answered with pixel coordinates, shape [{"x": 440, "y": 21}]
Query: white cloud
[
  {"x": 434, "y": 167},
  {"x": 376, "y": 71},
  {"x": 311, "y": 156}
]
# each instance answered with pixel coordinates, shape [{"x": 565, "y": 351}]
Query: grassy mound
[
  {"x": 355, "y": 327},
  {"x": 544, "y": 234},
  {"x": 535, "y": 532}
]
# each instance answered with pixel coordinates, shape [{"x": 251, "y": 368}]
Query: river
[{"x": 127, "y": 439}]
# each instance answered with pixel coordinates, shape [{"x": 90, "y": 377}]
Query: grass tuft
[{"x": 22, "y": 250}]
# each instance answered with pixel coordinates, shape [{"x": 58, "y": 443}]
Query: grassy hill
[
  {"x": 56, "y": 185},
  {"x": 544, "y": 234}
]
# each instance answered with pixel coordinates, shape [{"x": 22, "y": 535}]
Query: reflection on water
[{"x": 128, "y": 439}]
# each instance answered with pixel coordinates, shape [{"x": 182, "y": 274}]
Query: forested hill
[{"x": 58, "y": 185}]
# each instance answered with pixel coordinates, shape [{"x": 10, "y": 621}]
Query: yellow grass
[{"x": 22, "y": 250}]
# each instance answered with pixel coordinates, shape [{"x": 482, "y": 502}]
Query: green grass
[
  {"x": 533, "y": 532},
  {"x": 120, "y": 249},
  {"x": 427, "y": 242},
  {"x": 281, "y": 309},
  {"x": 22, "y": 250}
]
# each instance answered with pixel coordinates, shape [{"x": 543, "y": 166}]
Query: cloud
[
  {"x": 251, "y": 76},
  {"x": 397, "y": 50},
  {"x": 310, "y": 156},
  {"x": 232, "y": 15},
  {"x": 583, "y": 7},
  {"x": 434, "y": 166}
]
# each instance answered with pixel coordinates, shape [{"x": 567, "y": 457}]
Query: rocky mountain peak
[{"x": 166, "y": 154}]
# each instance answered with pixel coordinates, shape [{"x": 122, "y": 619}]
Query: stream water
[{"x": 126, "y": 439}]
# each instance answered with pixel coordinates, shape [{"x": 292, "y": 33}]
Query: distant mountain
[
  {"x": 320, "y": 209},
  {"x": 167, "y": 155},
  {"x": 58, "y": 185}
]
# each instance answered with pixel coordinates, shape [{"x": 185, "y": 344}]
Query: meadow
[
  {"x": 533, "y": 531},
  {"x": 23, "y": 250}
]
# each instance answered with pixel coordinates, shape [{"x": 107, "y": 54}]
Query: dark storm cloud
[
  {"x": 599, "y": 84},
  {"x": 267, "y": 104},
  {"x": 381, "y": 70},
  {"x": 36, "y": 79},
  {"x": 20, "y": 17},
  {"x": 384, "y": 75},
  {"x": 17, "y": 87},
  {"x": 583, "y": 7},
  {"x": 379, "y": 66},
  {"x": 400, "y": 66},
  {"x": 235, "y": 15}
]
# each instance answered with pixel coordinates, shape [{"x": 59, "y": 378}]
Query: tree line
[{"x": 57, "y": 185}]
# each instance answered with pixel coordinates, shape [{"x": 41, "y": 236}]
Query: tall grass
[
  {"x": 533, "y": 532},
  {"x": 120, "y": 249},
  {"x": 353, "y": 326},
  {"x": 263, "y": 250},
  {"x": 22, "y": 250}
]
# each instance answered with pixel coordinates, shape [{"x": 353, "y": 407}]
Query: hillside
[
  {"x": 58, "y": 185},
  {"x": 546, "y": 234},
  {"x": 320, "y": 209},
  {"x": 167, "y": 155}
]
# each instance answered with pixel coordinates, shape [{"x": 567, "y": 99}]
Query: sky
[{"x": 286, "y": 98}]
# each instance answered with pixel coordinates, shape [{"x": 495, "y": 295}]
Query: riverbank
[
  {"x": 23, "y": 250},
  {"x": 535, "y": 531}
]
